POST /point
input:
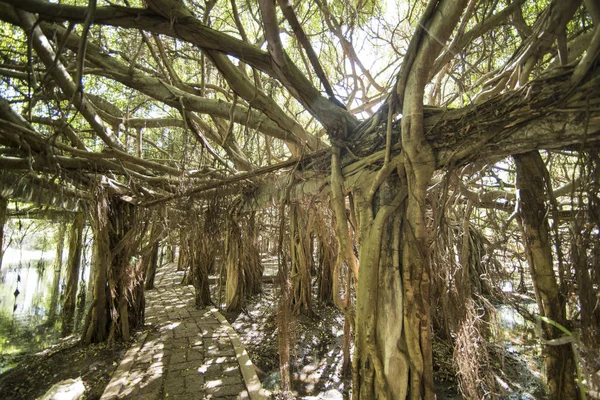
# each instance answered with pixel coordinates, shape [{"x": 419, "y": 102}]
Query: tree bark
[
  {"x": 396, "y": 363},
  {"x": 284, "y": 309},
  {"x": 184, "y": 250},
  {"x": 202, "y": 262},
  {"x": 235, "y": 288},
  {"x": 98, "y": 318},
  {"x": 200, "y": 249},
  {"x": 585, "y": 252},
  {"x": 559, "y": 359},
  {"x": 326, "y": 254},
  {"x": 242, "y": 262},
  {"x": 150, "y": 269},
  {"x": 3, "y": 213},
  {"x": 151, "y": 254},
  {"x": 60, "y": 240},
  {"x": 301, "y": 261},
  {"x": 381, "y": 363},
  {"x": 253, "y": 268},
  {"x": 118, "y": 296},
  {"x": 72, "y": 278}
]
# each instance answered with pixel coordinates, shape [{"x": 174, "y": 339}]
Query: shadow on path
[{"x": 186, "y": 353}]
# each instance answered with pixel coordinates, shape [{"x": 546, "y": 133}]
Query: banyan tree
[{"x": 398, "y": 145}]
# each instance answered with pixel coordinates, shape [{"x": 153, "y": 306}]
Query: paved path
[{"x": 187, "y": 354}]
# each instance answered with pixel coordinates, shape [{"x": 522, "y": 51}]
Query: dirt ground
[
  {"x": 316, "y": 350},
  {"x": 36, "y": 373},
  {"x": 316, "y": 359}
]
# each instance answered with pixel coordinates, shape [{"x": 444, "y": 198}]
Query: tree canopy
[
  {"x": 375, "y": 104},
  {"x": 167, "y": 100}
]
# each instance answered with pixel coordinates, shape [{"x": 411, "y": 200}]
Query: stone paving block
[
  {"x": 219, "y": 370},
  {"x": 178, "y": 356},
  {"x": 199, "y": 313},
  {"x": 166, "y": 333},
  {"x": 187, "y": 333},
  {"x": 130, "y": 391},
  {"x": 166, "y": 354},
  {"x": 194, "y": 383},
  {"x": 226, "y": 390},
  {"x": 135, "y": 376},
  {"x": 152, "y": 385},
  {"x": 156, "y": 368},
  {"x": 207, "y": 332},
  {"x": 153, "y": 339},
  {"x": 224, "y": 380},
  {"x": 195, "y": 353},
  {"x": 150, "y": 395},
  {"x": 183, "y": 365},
  {"x": 218, "y": 359},
  {"x": 160, "y": 355},
  {"x": 186, "y": 355},
  {"x": 140, "y": 366},
  {"x": 175, "y": 374},
  {"x": 174, "y": 386},
  {"x": 218, "y": 343},
  {"x": 224, "y": 349},
  {"x": 189, "y": 396},
  {"x": 181, "y": 343},
  {"x": 242, "y": 396},
  {"x": 225, "y": 345}
]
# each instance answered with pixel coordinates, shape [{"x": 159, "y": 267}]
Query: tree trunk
[
  {"x": 235, "y": 293},
  {"x": 3, "y": 212},
  {"x": 284, "y": 309},
  {"x": 150, "y": 268},
  {"x": 150, "y": 259},
  {"x": 204, "y": 259},
  {"x": 98, "y": 318},
  {"x": 202, "y": 252},
  {"x": 586, "y": 253},
  {"x": 184, "y": 251},
  {"x": 326, "y": 250},
  {"x": 301, "y": 261},
  {"x": 253, "y": 268},
  {"x": 393, "y": 354},
  {"x": 381, "y": 363},
  {"x": 242, "y": 262},
  {"x": 72, "y": 277},
  {"x": 60, "y": 240},
  {"x": 83, "y": 285},
  {"x": 118, "y": 301},
  {"x": 534, "y": 224},
  {"x": 170, "y": 252},
  {"x": 583, "y": 266}
]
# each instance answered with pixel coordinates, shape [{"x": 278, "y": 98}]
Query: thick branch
[
  {"x": 47, "y": 55},
  {"x": 193, "y": 31}
]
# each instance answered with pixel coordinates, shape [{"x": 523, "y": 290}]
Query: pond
[{"x": 30, "y": 298}]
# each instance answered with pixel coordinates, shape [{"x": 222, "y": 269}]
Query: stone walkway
[{"x": 186, "y": 354}]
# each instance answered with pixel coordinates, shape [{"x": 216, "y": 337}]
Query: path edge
[
  {"x": 117, "y": 381},
  {"x": 253, "y": 385}
]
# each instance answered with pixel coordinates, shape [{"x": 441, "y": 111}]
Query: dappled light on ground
[{"x": 187, "y": 353}]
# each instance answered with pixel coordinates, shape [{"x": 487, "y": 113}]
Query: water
[
  {"x": 24, "y": 322},
  {"x": 30, "y": 320}
]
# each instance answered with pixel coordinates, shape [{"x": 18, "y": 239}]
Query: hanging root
[{"x": 471, "y": 358}]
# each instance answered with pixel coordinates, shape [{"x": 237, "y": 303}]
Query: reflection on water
[
  {"x": 25, "y": 291},
  {"x": 29, "y": 301}
]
